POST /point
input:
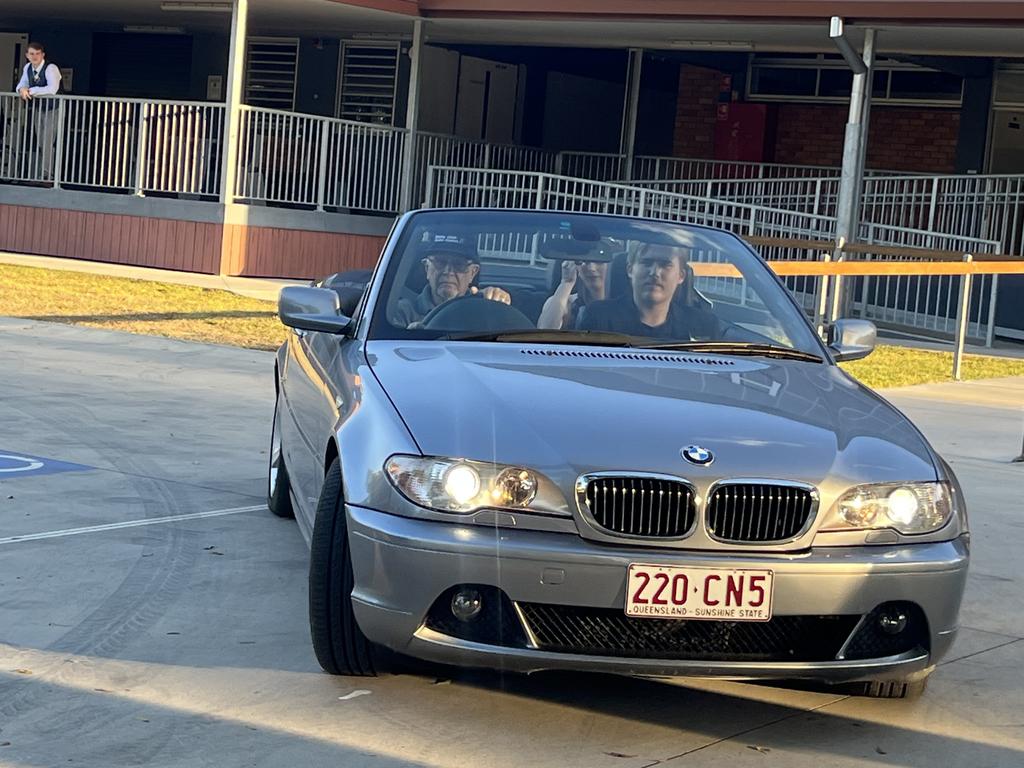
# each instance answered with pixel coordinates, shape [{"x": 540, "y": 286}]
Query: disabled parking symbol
[{"x": 13, "y": 465}]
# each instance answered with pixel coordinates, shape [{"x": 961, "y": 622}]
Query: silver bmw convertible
[{"x": 534, "y": 440}]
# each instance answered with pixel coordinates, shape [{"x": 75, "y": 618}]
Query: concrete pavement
[{"x": 185, "y": 642}]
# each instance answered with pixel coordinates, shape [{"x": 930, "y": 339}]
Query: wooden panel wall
[
  {"x": 273, "y": 252},
  {"x": 188, "y": 246}
]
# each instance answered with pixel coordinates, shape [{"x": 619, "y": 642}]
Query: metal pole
[
  {"x": 853, "y": 157},
  {"x": 869, "y": 87},
  {"x": 321, "y": 181},
  {"x": 412, "y": 118},
  {"x": 630, "y": 110},
  {"x": 431, "y": 200},
  {"x": 962, "y": 316},
  {"x": 236, "y": 77},
  {"x": 141, "y": 149},
  {"x": 819, "y": 314},
  {"x": 58, "y": 153}
]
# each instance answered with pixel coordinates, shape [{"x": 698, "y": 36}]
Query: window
[
  {"x": 826, "y": 77},
  {"x": 271, "y": 66},
  {"x": 1009, "y": 85},
  {"x": 368, "y": 73}
]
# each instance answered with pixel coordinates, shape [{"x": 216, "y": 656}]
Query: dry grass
[
  {"x": 891, "y": 366},
  {"x": 221, "y": 317},
  {"x": 139, "y": 306}
]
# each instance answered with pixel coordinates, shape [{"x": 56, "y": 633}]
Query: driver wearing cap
[{"x": 452, "y": 264}]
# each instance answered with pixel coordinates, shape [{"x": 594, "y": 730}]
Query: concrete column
[
  {"x": 410, "y": 191},
  {"x": 630, "y": 110},
  {"x": 236, "y": 78},
  {"x": 233, "y": 216}
]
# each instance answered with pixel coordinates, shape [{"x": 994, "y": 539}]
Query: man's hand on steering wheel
[{"x": 493, "y": 293}]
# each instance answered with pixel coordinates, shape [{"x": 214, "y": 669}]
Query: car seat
[{"x": 350, "y": 287}]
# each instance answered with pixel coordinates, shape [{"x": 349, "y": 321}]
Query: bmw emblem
[{"x": 697, "y": 455}]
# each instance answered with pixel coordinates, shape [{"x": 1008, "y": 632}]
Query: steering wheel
[{"x": 473, "y": 312}]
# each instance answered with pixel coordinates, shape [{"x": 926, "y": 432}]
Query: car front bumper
[{"x": 402, "y": 566}]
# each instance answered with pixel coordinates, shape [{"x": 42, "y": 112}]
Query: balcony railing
[
  {"x": 134, "y": 146},
  {"x": 286, "y": 159}
]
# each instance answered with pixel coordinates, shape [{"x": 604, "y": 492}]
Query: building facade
[{"x": 337, "y": 125}]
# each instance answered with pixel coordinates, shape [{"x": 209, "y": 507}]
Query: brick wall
[
  {"x": 900, "y": 139},
  {"x": 696, "y": 111}
]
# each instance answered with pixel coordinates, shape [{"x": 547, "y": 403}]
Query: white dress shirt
[{"x": 52, "y": 80}]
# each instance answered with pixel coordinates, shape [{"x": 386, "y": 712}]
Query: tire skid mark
[{"x": 160, "y": 575}]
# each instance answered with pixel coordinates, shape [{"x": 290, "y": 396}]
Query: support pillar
[
  {"x": 630, "y": 111},
  {"x": 231, "y": 127},
  {"x": 410, "y": 180},
  {"x": 854, "y": 152}
]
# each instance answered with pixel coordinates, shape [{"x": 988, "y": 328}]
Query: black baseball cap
[{"x": 452, "y": 245}]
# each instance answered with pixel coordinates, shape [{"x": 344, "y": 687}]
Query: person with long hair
[{"x": 583, "y": 282}]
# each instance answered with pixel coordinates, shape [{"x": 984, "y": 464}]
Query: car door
[{"x": 310, "y": 403}]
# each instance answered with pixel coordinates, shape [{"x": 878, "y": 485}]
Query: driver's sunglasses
[{"x": 458, "y": 266}]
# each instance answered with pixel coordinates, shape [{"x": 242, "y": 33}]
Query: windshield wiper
[
  {"x": 598, "y": 338},
  {"x": 739, "y": 348}
]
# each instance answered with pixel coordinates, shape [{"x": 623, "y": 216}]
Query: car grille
[
  {"x": 752, "y": 512},
  {"x": 609, "y": 632},
  {"x": 641, "y": 506}
]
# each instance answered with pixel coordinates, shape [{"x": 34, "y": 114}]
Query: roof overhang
[
  {"x": 958, "y": 11},
  {"x": 988, "y": 28}
]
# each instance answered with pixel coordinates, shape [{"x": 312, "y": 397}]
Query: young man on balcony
[{"x": 40, "y": 79}]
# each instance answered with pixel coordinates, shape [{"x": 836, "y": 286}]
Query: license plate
[{"x": 720, "y": 594}]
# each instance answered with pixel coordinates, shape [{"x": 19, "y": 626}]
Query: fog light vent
[
  {"x": 479, "y": 613},
  {"x": 889, "y": 630}
]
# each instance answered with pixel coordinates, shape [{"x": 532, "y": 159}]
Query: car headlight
[
  {"x": 463, "y": 486},
  {"x": 906, "y": 507}
]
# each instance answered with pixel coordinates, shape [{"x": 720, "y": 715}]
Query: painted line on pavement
[{"x": 130, "y": 524}]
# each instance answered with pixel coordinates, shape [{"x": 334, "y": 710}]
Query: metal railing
[
  {"x": 986, "y": 207},
  {"x": 116, "y": 145},
  {"x": 918, "y": 303},
  {"x": 291, "y": 159}
]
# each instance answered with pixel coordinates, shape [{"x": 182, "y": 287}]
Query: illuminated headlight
[
  {"x": 459, "y": 485},
  {"x": 907, "y": 507}
]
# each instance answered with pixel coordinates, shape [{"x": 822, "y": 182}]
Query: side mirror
[
  {"x": 852, "y": 339},
  {"x": 311, "y": 309}
]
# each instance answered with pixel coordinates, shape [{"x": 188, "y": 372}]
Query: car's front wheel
[
  {"x": 339, "y": 644},
  {"x": 279, "y": 498}
]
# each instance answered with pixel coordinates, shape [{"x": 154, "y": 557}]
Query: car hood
[{"x": 568, "y": 410}]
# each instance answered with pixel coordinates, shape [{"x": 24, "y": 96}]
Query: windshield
[{"x": 483, "y": 274}]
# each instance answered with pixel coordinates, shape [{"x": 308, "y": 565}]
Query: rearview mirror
[
  {"x": 852, "y": 339},
  {"x": 311, "y": 309}
]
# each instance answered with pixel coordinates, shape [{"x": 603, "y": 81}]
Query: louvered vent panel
[
  {"x": 369, "y": 76},
  {"x": 271, "y": 68}
]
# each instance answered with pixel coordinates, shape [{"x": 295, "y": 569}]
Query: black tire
[
  {"x": 279, "y": 498},
  {"x": 339, "y": 644},
  {"x": 890, "y": 689}
]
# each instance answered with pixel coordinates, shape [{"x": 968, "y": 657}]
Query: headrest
[{"x": 350, "y": 287}]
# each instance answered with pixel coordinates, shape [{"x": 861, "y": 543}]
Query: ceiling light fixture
[
  {"x": 712, "y": 45},
  {"x": 154, "y": 29},
  {"x": 196, "y": 7}
]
